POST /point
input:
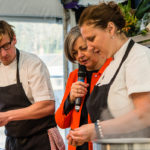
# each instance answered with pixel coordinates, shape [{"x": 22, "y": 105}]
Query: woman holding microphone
[{"x": 76, "y": 50}]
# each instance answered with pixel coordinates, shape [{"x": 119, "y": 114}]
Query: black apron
[
  {"x": 97, "y": 103},
  {"x": 23, "y": 134}
]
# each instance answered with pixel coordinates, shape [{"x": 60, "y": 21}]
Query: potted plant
[
  {"x": 137, "y": 21},
  {"x": 134, "y": 18}
]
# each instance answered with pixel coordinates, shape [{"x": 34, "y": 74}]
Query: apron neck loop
[{"x": 130, "y": 45}]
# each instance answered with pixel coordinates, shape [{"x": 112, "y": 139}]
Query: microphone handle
[
  {"x": 78, "y": 100},
  {"x": 81, "y": 79},
  {"x": 77, "y": 104}
]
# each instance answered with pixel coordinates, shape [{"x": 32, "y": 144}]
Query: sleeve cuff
[{"x": 68, "y": 106}]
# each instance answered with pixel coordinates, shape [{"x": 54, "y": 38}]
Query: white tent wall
[
  {"x": 31, "y": 8},
  {"x": 68, "y": 22}
]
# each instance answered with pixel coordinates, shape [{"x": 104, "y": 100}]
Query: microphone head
[
  {"x": 82, "y": 71},
  {"x": 82, "y": 67}
]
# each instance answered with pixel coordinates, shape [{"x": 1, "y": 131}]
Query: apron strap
[
  {"x": 130, "y": 45},
  {"x": 17, "y": 74}
]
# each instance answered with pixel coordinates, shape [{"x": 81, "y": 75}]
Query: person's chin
[
  {"x": 6, "y": 62},
  {"x": 88, "y": 66}
]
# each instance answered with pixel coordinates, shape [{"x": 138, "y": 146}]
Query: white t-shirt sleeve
[
  {"x": 39, "y": 81},
  {"x": 138, "y": 70}
]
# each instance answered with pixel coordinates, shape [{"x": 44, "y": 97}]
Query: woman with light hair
[{"x": 76, "y": 50}]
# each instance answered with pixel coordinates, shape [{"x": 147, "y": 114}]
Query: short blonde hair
[{"x": 6, "y": 28}]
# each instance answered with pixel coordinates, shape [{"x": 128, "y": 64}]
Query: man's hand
[{"x": 4, "y": 119}]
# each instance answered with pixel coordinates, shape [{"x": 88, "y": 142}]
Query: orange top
[{"x": 72, "y": 119}]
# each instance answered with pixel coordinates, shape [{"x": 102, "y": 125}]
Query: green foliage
[
  {"x": 143, "y": 32},
  {"x": 142, "y": 8},
  {"x": 132, "y": 26},
  {"x": 146, "y": 18}
]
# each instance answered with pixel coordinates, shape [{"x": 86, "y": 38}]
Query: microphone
[{"x": 81, "y": 76}]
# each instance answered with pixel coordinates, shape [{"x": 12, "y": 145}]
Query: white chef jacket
[
  {"x": 133, "y": 77},
  {"x": 34, "y": 77}
]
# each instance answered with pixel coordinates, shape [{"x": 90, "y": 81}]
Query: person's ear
[
  {"x": 14, "y": 39},
  {"x": 111, "y": 28}
]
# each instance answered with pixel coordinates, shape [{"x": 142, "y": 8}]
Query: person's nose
[
  {"x": 89, "y": 44},
  {"x": 90, "y": 47},
  {"x": 3, "y": 52},
  {"x": 80, "y": 54}
]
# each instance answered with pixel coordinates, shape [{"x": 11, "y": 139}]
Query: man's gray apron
[{"x": 23, "y": 134}]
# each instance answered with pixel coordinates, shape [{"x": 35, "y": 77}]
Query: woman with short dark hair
[{"x": 120, "y": 102}]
